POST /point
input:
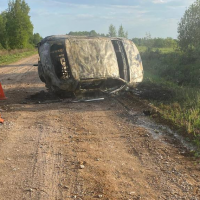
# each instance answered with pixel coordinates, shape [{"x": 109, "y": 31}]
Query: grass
[
  {"x": 7, "y": 57},
  {"x": 143, "y": 49},
  {"x": 169, "y": 73},
  {"x": 180, "y": 105}
]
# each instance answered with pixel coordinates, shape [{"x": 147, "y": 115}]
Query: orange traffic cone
[
  {"x": 2, "y": 95},
  {"x": 1, "y": 120}
]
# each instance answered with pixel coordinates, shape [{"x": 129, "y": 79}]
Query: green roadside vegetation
[
  {"x": 173, "y": 79},
  {"x": 143, "y": 49},
  {"x": 7, "y": 57}
]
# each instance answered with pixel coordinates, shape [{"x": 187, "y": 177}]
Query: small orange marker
[
  {"x": 2, "y": 95},
  {"x": 1, "y": 120}
]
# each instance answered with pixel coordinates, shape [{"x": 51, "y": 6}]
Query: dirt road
[{"x": 56, "y": 150}]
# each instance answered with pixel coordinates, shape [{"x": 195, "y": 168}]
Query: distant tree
[
  {"x": 103, "y": 35},
  {"x": 112, "y": 31},
  {"x": 149, "y": 42},
  {"x": 19, "y": 27},
  {"x": 121, "y": 32},
  {"x": 93, "y": 33},
  {"x": 159, "y": 42},
  {"x": 36, "y": 38},
  {"x": 137, "y": 41},
  {"x": 170, "y": 42},
  {"x": 3, "y": 33},
  {"x": 189, "y": 28},
  {"x": 74, "y": 33}
]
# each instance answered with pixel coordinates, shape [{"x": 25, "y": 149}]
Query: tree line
[
  {"x": 188, "y": 41},
  {"x": 86, "y": 33},
  {"x": 16, "y": 28},
  {"x": 112, "y": 32},
  {"x": 147, "y": 41},
  {"x": 150, "y": 42}
]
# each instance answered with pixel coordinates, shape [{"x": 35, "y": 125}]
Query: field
[{"x": 142, "y": 49}]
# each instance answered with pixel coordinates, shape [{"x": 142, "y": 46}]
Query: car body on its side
[{"x": 71, "y": 63}]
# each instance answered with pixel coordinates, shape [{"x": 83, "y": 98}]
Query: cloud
[
  {"x": 176, "y": 7},
  {"x": 59, "y": 4},
  {"x": 158, "y": 1},
  {"x": 123, "y": 6},
  {"x": 85, "y": 17}
]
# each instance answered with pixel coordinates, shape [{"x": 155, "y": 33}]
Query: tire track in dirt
[{"x": 55, "y": 171}]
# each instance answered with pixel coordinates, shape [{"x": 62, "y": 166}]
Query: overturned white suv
[{"x": 70, "y": 64}]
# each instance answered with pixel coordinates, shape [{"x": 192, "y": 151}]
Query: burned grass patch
[
  {"x": 42, "y": 97},
  {"x": 154, "y": 92}
]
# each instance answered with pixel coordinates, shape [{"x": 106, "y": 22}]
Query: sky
[{"x": 157, "y": 17}]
